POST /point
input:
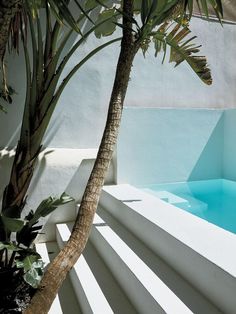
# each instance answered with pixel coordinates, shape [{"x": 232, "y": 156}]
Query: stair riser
[
  {"x": 208, "y": 278},
  {"x": 98, "y": 300},
  {"x": 135, "y": 291}
]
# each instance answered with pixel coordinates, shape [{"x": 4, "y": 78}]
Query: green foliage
[
  {"x": 59, "y": 8},
  {"x": 91, "y": 4},
  {"x": 32, "y": 266},
  {"x": 19, "y": 253},
  {"x": 166, "y": 24},
  {"x": 182, "y": 49},
  {"x": 11, "y": 224},
  {"x": 106, "y": 29},
  {"x": 204, "y": 5},
  {"x": 6, "y": 94},
  {"x": 48, "y": 205},
  {"x": 163, "y": 22},
  {"x": 29, "y": 231},
  {"x": 43, "y": 89},
  {"x": 9, "y": 246}
]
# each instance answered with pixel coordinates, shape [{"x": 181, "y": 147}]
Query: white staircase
[{"x": 119, "y": 271}]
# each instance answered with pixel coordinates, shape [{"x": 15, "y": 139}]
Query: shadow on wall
[
  {"x": 169, "y": 145},
  {"x": 6, "y": 159},
  {"x": 210, "y": 162}
]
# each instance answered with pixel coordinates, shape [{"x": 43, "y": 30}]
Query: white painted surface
[
  {"x": 145, "y": 290},
  {"x": 65, "y": 301},
  {"x": 88, "y": 292},
  {"x": 169, "y": 197},
  {"x": 229, "y": 148},
  {"x": 169, "y": 145},
  {"x": 202, "y": 252},
  {"x": 56, "y": 167},
  {"x": 156, "y": 85},
  {"x": 180, "y": 286},
  {"x": 42, "y": 250},
  {"x": 80, "y": 116}
]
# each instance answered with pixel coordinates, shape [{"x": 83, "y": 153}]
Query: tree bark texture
[{"x": 61, "y": 265}]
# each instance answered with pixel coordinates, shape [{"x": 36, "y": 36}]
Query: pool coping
[
  {"x": 188, "y": 224},
  {"x": 200, "y": 251}
]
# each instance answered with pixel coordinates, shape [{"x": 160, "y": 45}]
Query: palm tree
[
  {"x": 43, "y": 90},
  {"x": 11, "y": 19},
  {"x": 42, "y": 93},
  {"x": 156, "y": 22}
]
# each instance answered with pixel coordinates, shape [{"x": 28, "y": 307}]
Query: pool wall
[
  {"x": 176, "y": 145},
  {"x": 229, "y": 144}
]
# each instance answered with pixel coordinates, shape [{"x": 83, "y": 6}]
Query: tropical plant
[
  {"x": 12, "y": 16},
  {"x": 164, "y": 23},
  {"x": 43, "y": 90},
  {"x": 6, "y": 97},
  {"x": 42, "y": 95},
  {"x": 17, "y": 256}
]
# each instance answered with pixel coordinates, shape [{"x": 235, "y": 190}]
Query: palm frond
[
  {"x": 204, "y": 6},
  {"x": 182, "y": 48}
]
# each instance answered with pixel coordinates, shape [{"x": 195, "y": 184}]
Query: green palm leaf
[
  {"x": 204, "y": 6},
  {"x": 182, "y": 49}
]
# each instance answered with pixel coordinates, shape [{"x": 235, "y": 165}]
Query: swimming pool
[{"x": 212, "y": 200}]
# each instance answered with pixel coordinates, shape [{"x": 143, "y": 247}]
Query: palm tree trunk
[{"x": 67, "y": 257}]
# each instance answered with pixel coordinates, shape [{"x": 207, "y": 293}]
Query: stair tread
[
  {"x": 95, "y": 297},
  {"x": 193, "y": 247},
  {"x": 168, "y": 301},
  {"x": 60, "y": 305},
  {"x": 167, "y": 196}
]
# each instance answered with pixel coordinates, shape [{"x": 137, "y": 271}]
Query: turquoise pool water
[{"x": 212, "y": 200}]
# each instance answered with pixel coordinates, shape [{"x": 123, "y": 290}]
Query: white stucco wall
[
  {"x": 80, "y": 116},
  {"x": 152, "y": 85},
  {"x": 169, "y": 145},
  {"x": 156, "y": 85}
]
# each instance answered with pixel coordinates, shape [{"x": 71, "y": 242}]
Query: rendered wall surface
[
  {"x": 169, "y": 145},
  {"x": 230, "y": 145},
  {"x": 156, "y": 85},
  {"x": 79, "y": 119}
]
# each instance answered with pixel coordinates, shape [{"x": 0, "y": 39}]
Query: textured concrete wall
[{"x": 168, "y": 145}]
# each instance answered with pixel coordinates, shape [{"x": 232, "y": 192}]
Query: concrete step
[
  {"x": 183, "y": 200},
  {"x": 88, "y": 291},
  {"x": 194, "y": 204},
  {"x": 182, "y": 288},
  {"x": 170, "y": 198},
  {"x": 147, "y": 292},
  {"x": 66, "y": 301},
  {"x": 173, "y": 235}
]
